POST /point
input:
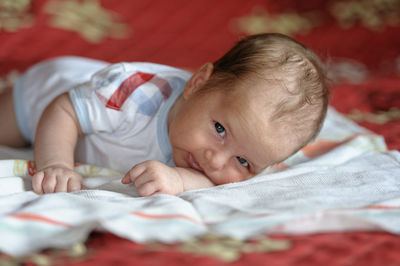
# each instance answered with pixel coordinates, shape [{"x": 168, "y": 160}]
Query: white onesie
[{"x": 122, "y": 108}]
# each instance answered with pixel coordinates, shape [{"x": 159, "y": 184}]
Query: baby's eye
[
  {"x": 242, "y": 161},
  {"x": 220, "y": 129}
]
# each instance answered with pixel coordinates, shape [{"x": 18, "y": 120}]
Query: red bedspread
[{"x": 360, "y": 39}]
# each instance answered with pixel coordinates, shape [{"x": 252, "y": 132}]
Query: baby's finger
[
  {"x": 126, "y": 179},
  {"x": 134, "y": 173},
  {"x": 73, "y": 185},
  {"x": 61, "y": 184},
  {"x": 147, "y": 189},
  {"x": 142, "y": 179},
  {"x": 37, "y": 180},
  {"x": 49, "y": 183}
]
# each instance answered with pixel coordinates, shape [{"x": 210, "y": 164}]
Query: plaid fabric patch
[{"x": 145, "y": 90}]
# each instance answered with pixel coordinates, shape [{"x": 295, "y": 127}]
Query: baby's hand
[
  {"x": 56, "y": 179},
  {"x": 153, "y": 177}
]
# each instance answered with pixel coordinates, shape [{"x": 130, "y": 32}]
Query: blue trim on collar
[{"x": 162, "y": 124}]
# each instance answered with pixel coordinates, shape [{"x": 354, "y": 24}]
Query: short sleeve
[
  {"x": 98, "y": 103},
  {"x": 120, "y": 93}
]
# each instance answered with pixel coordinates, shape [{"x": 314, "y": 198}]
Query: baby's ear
[{"x": 198, "y": 80}]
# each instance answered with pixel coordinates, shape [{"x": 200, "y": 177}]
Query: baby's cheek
[{"x": 179, "y": 159}]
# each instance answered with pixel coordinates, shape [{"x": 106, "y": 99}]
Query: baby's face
[{"x": 226, "y": 136}]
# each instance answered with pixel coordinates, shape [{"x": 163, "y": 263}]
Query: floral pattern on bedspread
[{"x": 170, "y": 32}]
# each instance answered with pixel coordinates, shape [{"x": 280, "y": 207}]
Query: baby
[{"x": 169, "y": 130}]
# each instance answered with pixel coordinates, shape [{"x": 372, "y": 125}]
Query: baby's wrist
[{"x": 41, "y": 167}]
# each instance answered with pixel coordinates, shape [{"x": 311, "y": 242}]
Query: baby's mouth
[{"x": 193, "y": 163}]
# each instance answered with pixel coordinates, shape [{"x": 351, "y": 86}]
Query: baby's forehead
[{"x": 257, "y": 95}]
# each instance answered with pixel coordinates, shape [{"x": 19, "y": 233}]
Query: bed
[{"x": 360, "y": 42}]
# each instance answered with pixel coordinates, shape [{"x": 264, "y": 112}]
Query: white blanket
[{"x": 346, "y": 180}]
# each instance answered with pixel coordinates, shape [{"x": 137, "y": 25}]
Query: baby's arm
[
  {"x": 56, "y": 137},
  {"x": 153, "y": 177}
]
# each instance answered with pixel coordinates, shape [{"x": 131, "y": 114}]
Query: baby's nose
[{"x": 216, "y": 159}]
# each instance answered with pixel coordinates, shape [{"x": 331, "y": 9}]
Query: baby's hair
[{"x": 292, "y": 65}]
